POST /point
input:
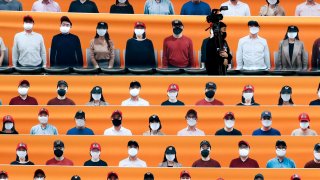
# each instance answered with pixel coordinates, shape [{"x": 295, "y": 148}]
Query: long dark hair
[
  {"x": 159, "y": 126},
  {"x": 244, "y": 101},
  {"x": 26, "y": 158},
  {"x": 297, "y": 37},
  {"x": 276, "y": 2},
  {"x": 127, "y": 2},
  {"x": 165, "y": 159},
  {"x": 13, "y": 129},
  {"x": 106, "y": 36},
  {"x": 101, "y": 99},
  {"x": 143, "y": 35},
  {"x": 280, "y": 102}
]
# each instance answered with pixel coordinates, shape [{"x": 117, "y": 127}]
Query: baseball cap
[
  {"x": 170, "y": 150},
  {"x": 192, "y": 111},
  {"x": 4, "y": 173},
  {"x": 177, "y": 22},
  {"x": 28, "y": 18},
  {"x": 173, "y": 87},
  {"x": 110, "y": 174},
  {"x": 102, "y": 25},
  {"x": 148, "y": 175},
  {"x": 8, "y": 118},
  {"x": 229, "y": 114},
  {"x": 304, "y": 117},
  {"x": 205, "y": 142},
  {"x": 133, "y": 143},
  {"x": 253, "y": 23},
  {"x": 295, "y": 177},
  {"x": 95, "y": 146},
  {"x": 62, "y": 82},
  {"x": 258, "y": 176},
  {"x": 243, "y": 143},
  {"x": 22, "y": 145},
  {"x": 286, "y": 90},
  {"x": 116, "y": 112},
  {"x": 248, "y": 87},
  {"x": 293, "y": 29},
  {"x": 211, "y": 85},
  {"x": 184, "y": 172},
  {"x": 139, "y": 24},
  {"x": 80, "y": 115},
  {"x": 26, "y": 82},
  {"x": 281, "y": 143},
  {"x": 39, "y": 171},
  {"x": 317, "y": 147},
  {"x": 154, "y": 118},
  {"x": 58, "y": 143},
  {"x": 135, "y": 83},
  {"x": 75, "y": 177},
  {"x": 65, "y": 18},
  {"x": 43, "y": 110},
  {"x": 266, "y": 114},
  {"x": 96, "y": 90}
]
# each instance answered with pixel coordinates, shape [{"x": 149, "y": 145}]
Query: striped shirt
[{"x": 48, "y": 130}]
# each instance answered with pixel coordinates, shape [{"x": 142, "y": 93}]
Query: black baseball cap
[
  {"x": 253, "y": 23},
  {"x": 65, "y": 18},
  {"x": 80, "y": 115},
  {"x": 28, "y": 18},
  {"x": 39, "y": 171},
  {"x": 170, "y": 150},
  {"x": 154, "y": 118},
  {"x": 293, "y": 29},
  {"x": 148, "y": 176},
  {"x": 281, "y": 143},
  {"x": 286, "y": 90},
  {"x": 266, "y": 114},
  {"x": 135, "y": 83},
  {"x": 62, "y": 82},
  {"x": 75, "y": 177},
  {"x": 102, "y": 25},
  {"x": 96, "y": 90},
  {"x": 177, "y": 22},
  {"x": 211, "y": 85},
  {"x": 259, "y": 176},
  {"x": 317, "y": 147},
  {"x": 58, "y": 143},
  {"x": 205, "y": 142},
  {"x": 133, "y": 143}
]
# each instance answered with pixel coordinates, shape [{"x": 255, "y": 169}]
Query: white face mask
[
  {"x": 191, "y": 121},
  {"x": 170, "y": 157},
  {"x": 244, "y": 152},
  {"x": 316, "y": 155},
  {"x": 132, "y": 152},
  {"x": 154, "y": 126},
  {"x": 254, "y": 30},
  {"x": 4, "y": 179},
  {"x": 172, "y": 95},
  {"x": 304, "y": 125},
  {"x": 211, "y": 34},
  {"x": 272, "y": 2},
  {"x": 139, "y": 32},
  {"x": 285, "y": 97},
  {"x": 95, "y": 155},
  {"x": 27, "y": 26},
  {"x": 23, "y": 91},
  {"x": 266, "y": 123},
  {"x": 101, "y": 32},
  {"x": 229, "y": 123},
  {"x": 247, "y": 95},
  {"x": 281, "y": 152},
  {"x": 64, "y": 29},
  {"x": 319, "y": 94},
  {"x": 21, "y": 154},
  {"x": 43, "y": 119},
  {"x": 292, "y": 35},
  {"x": 8, "y": 126},
  {"x": 134, "y": 92},
  {"x": 96, "y": 96},
  {"x": 39, "y": 178},
  {"x": 80, "y": 122},
  {"x": 122, "y": 1}
]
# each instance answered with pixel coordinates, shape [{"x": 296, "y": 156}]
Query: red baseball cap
[
  {"x": 3, "y": 173},
  {"x": 295, "y": 177},
  {"x": 43, "y": 110},
  {"x": 184, "y": 172},
  {"x": 243, "y": 143},
  {"x": 248, "y": 87},
  {"x": 95, "y": 146},
  {"x": 304, "y": 117},
  {"x": 110, "y": 174},
  {"x": 117, "y": 112},
  {"x": 8, "y": 118},
  {"x": 24, "y": 82},
  {"x": 139, "y": 24},
  {"x": 173, "y": 87},
  {"x": 22, "y": 145},
  {"x": 28, "y": 18},
  {"x": 229, "y": 114}
]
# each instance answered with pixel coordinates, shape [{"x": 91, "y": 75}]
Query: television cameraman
[{"x": 218, "y": 55}]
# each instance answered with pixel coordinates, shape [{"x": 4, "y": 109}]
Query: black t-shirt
[
  {"x": 223, "y": 132},
  {"x": 168, "y": 103},
  {"x": 253, "y": 104},
  {"x": 86, "y": 7},
  {"x": 17, "y": 163},
  {"x": 122, "y": 9},
  {"x": 315, "y": 103},
  {"x": 14, "y": 132},
  {"x": 291, "y": 46},
  {"x": 99, "y": 163}
]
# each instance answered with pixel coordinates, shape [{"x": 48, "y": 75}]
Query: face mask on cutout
[
  {"x": 224, "y": 35},
  {"x": 319, "y": 94},
  {"x": 8, "y": 126},
  {"x": 122, "y": 1},
  {"x": 229, "y": 123},
  {"x": 316, "y": 155},
  {"x": 170, "y": 157},
  {"x": 247, "y": 96},
  {"x": 64, "y": 29},
  {"x": 27, "y": 26},
  {"x": 101, "y": 32},
  {"x": 95, "y": 155},
  {"x": 272, "y": 2},
  {"x": 304, "y": 125},
  {"x": 254, "y": 30},
  {"x": 21, "y": 154},
  {"x": 23, "y": 91},
  {"x": 96, "y": 97},
  {"x": 139, "y": 32},
  {"x": 38, "y": 178},
  {"x": 80, "y": 122},
  {"x": 292, "y": 35},
  {"x": 172, "y": 95},
  {"x": 134, "y": 92},
  {"x": 205, "y": 152},
  {"x": 132, "y": 152},
  {"x": 210, "y": 94},
  {"x": 116, "y": 122},
  {"x": 177, "y": 30},
  {"x": 281, "y": 152},
  {"x": 285, "y": 97},
  {"x": 62, "y": 92},
  {"x": 243, "y": 152},
  {"x": 43, "y": 119},
  {"x": 266, "y": 123},
  {"x": 58, "y": 153},
  {"x": 154, "y": 126},
  {"x": 191, "y": 121}
]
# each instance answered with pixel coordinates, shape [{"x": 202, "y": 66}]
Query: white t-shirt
[
  {"x": 137, "y": 163},
  {"x": 130, "y": 102},
  {"x": 241, "y": 9},
  {"x": 112, "y": 132},
  {"x": 185, "y": 132}
]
